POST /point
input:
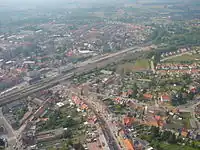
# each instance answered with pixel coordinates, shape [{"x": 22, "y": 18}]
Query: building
[
  {"x": 37, "y": 101},
  {"x": 26, "y": 116},
  {"x": 128, "y": 121},
  {"x": 28, "y": 138},
  {"x": 126, "y": 141},
  {"x": 106, "y": 72},
  {"x": 2, "y": 143},
  {"x": 165, "y": 98},
  {"x": 50, "y": 135},
  {"x": 148, "y": 96},
  {"x": 2, "y": 130},
  {"x": 33, "y": 74}
]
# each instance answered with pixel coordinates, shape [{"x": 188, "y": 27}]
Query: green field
[
  {"x": 142, "y": 64},
  {"x": 160, "y": 145},
  {"x": 185, "y": 115},
  {"x": 185, "y": 57},
  {"x": 165, "y": 146}
]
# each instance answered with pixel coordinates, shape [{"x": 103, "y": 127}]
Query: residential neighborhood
[{"x": 100, "y": 75}]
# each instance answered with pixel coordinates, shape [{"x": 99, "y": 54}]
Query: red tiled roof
[
  {"x": 165, "y": 98},
  {"x": 130, "y": 91},
  {"x": 84, "y": 106},
  {"x": 184, "y": 133},
  {"x": 117, "y": 99},
  {"x": 128, "y": 120},
  {"x": 157, "y": 117},
  {"x": 128, "y": 144},
  {"x": 148, "y": 96}
]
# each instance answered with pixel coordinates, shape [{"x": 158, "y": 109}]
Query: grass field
[
  {"x": 185, "y": 115},
  {"x": 142, "y": 64},
  {"x": 167, "y": 146},
  {"x": 175, "y": 147},
  {"x": 185, "y": 57}
]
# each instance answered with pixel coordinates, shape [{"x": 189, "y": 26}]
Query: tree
[
  {"x": 135, "y": 91},
  {"x": 166, "y": 135},
  {"x": 67, "y": 134},
  {"x": 172, "y": 139},
  {"x": 178, "y": 99},
  {"x": 187, "y": 78},
  {"x": 155, "y": 132},
  {"x": 68, "y": 122},
  {"x": 69, "y": 142},
  {"x": 157, "y": 146},
  {"x": 65, "y": 146},
  {"x": 52, "y": 148},
  {"x": 106, "y": 48},
  {"x": 190, "y": 96}
]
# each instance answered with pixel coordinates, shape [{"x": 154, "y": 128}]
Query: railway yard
[{"x": 16, "y": 94}]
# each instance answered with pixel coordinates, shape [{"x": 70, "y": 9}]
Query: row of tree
[
  {"x": 56, "y": 120},
  {"x": 157, "y": 136}
]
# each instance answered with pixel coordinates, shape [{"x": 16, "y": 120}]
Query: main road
[
  {"x": 107, "y": 130},
  {"x": 190, "y": 107},
  {"x": 78, "y": 70}
]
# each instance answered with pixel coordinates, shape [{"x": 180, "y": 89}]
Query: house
[
  {"x": 106, "y": 72},
  {"x": 124, "y": 94},
  {"x": 76, "y": 100},
  {"x": 117, "y": 99},
  {"x": 147, "y": 96},
  {"x": 26, "y": 116},
  {"x": 43, "y": 119},
  {"x": 79, "y": 103},
  {"x": 128, "y": 121},
  {"x": 127, "y": 142},
  {"x": 184, "y": 133},
  {"x": 192, "y": 89},
  {"x": 84, "y": 107},
  {"x": 153, "y": 121},
  {"x": 165, "y": 98},
  {"x": 37, "y": 101},
  {"x": 130, "y": 91},
  {"x": 41, "y": 109},
  {"x": 49, "y": 135}
]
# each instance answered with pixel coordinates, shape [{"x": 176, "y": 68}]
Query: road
[
  {"x": 8, "y": 127},
  {"x": 11, "y": 135},
  {"x": 80, "y": 69},
  {"x": 102, "y": 116},
  {"x": 107, "y": 131},
  {"x": 190, "y": 107}
]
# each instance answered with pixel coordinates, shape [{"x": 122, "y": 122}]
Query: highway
[{"x": 79, "y": 69}]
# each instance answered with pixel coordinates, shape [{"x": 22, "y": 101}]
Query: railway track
[{"x": 102, "y": 62}]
